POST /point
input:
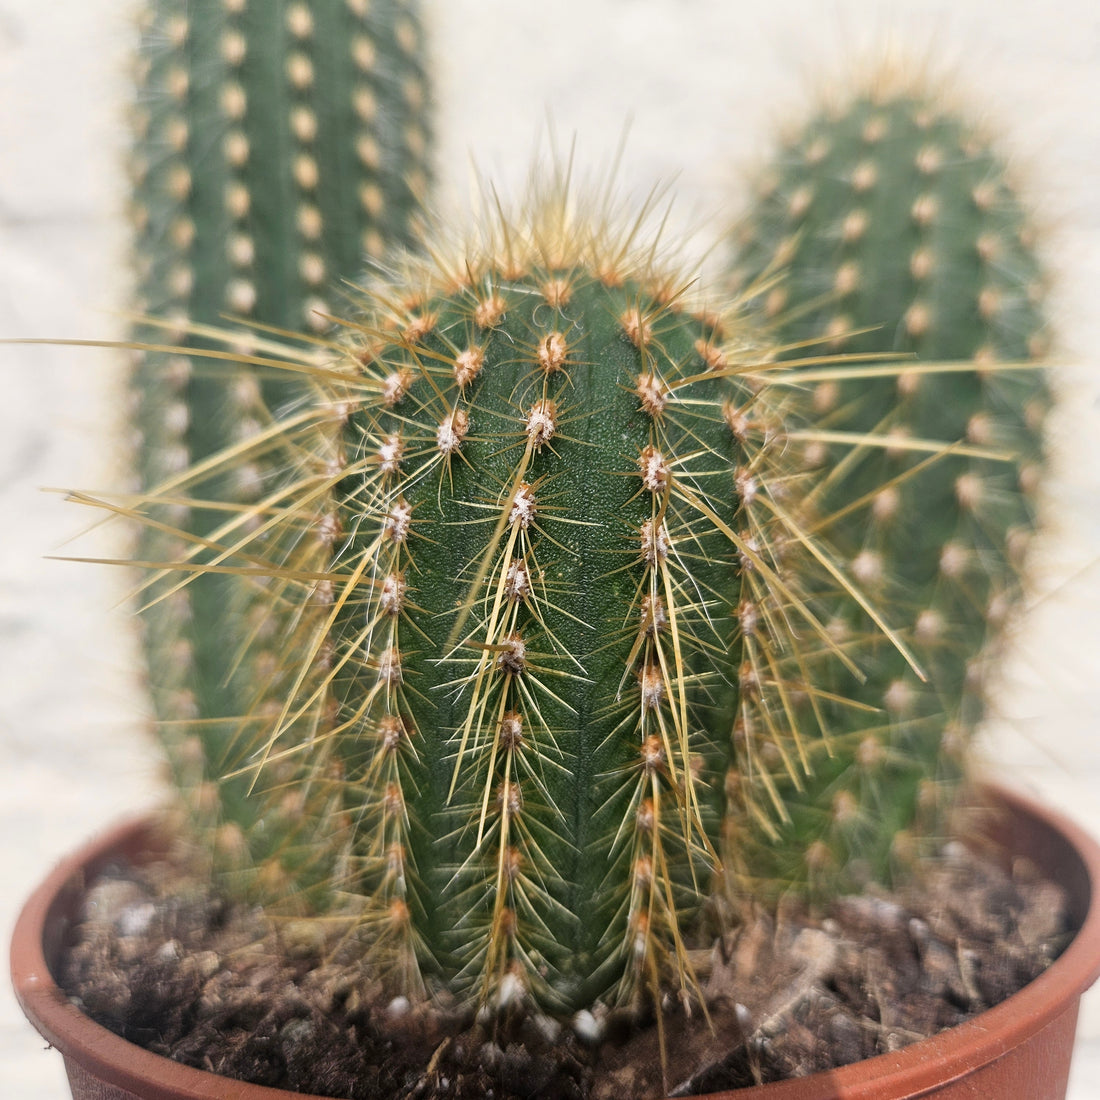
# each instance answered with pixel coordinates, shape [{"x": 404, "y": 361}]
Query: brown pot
[{"x": 1021, "y": 1048}]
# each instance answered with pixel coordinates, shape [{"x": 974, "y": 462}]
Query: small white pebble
[
  {"x": 170, "y": 951},
  {"x": 586, "y": 1027},
  {"x": 955, "y": 851},
  {"x": 135, "y": 919}
]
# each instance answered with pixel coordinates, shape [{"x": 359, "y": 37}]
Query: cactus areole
[{"x": 531, "y": 543}]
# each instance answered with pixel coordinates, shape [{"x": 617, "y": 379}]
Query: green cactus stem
[
  {"x": 277, "y": 148},
  {"x": 542, "y": 585},
  {"x": 887, "y": 227}
]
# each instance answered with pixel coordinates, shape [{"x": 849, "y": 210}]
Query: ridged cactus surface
[
  {"x": 278, "y": 147},
  {"x": 887, "y": 226},
  {"x": 542, "y": 586}
]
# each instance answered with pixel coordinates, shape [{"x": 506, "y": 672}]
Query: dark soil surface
[{"x": 176, "y": 969}]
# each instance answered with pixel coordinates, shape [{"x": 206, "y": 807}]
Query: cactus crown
[{"x": 534, "y": 570}]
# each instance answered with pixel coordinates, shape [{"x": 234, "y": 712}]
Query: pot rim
[{"x": 947, "y": 1056}]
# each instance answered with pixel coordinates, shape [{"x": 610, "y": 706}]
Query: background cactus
[
  {"x": 277, "y": 148},
  {"x": 887, "y": 226}
]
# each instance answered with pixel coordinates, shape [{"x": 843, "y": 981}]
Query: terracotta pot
[{"x": 1021, "y": 1048}]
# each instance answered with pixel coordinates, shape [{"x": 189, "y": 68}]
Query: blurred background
[{"x": 699, "y": 85}]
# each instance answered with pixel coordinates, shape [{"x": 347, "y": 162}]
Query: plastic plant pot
[{"x": 1021, "y": 1048}]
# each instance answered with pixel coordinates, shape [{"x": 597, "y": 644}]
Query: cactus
[
  {"x": 887, "y": 228},
  {"x": 276, "y": 148},
  {"x": 546, "y": 640},
  {"x": 541, "y": 583}
]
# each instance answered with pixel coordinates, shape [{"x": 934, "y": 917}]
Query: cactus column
[
  {"x": 532, "y": 549},
  {"x": 278, "y": 147},
  {"x": 887, "y": 227}
]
